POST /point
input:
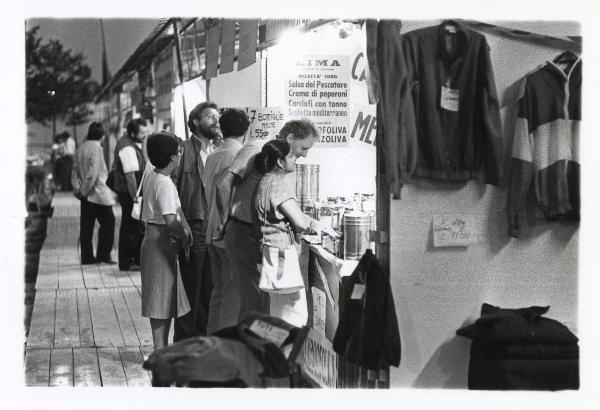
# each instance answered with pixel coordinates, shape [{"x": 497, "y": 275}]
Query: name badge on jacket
[{"x": 449, "y": 99}]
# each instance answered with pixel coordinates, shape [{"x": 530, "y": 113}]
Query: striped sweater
[{"x": 545, "y": 151}]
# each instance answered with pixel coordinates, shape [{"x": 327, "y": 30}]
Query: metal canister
[
  {"x": 356, "y": 234},
  {"x": 307, "y": 184}
]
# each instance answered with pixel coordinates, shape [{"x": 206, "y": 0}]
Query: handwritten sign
[
  {"x": 265, "y": 123},
  {"x": 319, "y": 310},
  {"x": 273, "y": 334},
  {"x": 317, "y": 88},
  {"x": 453, "y": 230}
]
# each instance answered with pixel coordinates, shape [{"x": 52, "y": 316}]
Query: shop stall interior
[{"x": 417, "y": 261}]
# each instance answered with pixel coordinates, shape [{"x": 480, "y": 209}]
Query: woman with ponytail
[{"x": 279, "y": 217}]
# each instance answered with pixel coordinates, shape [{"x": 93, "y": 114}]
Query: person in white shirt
[
  {"x": 163, "y": 295},
  {"x": 89, "y": 186},
  {"x": 69, "y": 152},
  {"x": 130, "y": 164}
]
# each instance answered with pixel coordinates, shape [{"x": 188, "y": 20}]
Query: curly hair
[
  {"x": 196, "y": 113},
  {"x": 234, "y": 122},
  {"x": 161, "y": 146}
]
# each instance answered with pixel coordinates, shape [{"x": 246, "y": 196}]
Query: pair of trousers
[
  {"x": 242, "y": 242},
  {"x": 224, "y": 306},
  {"x": 197, "y": 281},
  {"x": 131, "y": 234},
  {"x": 64, "y": 176},
  {"x": 90, "y": 212}
]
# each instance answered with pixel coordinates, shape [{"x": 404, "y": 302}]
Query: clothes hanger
[
  {"x": 566, "y": 57},
  {"x": 450, "y": 26}
]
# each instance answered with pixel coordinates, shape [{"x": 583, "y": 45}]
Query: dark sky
[{"x": 83, "y": 34}]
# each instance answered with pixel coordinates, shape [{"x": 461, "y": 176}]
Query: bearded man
[
  {"x": 203, "y": 122},
  {"x": 129, "y": 164}
]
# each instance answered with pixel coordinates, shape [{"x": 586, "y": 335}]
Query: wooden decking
[{"x": 86, "y": 327}]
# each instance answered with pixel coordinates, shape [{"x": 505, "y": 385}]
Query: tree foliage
[{"x": 58, "y": 81}]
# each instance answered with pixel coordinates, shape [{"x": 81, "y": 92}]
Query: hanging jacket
[
  {"x": 454, "y": 142},
  {"x": 545, "y": 150},
  {"x": 396, "y": 133},
  {"x": 422, "y": 133},
  {"x": 367, "y": 333}
]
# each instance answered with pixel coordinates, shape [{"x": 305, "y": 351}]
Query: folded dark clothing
[
  {"x": 523, "y": 374},
  {"x": 532, "y": 352},
  {"x": 498, "y": 326},
  {"x": 270, "y": 355},
  {"x": 205, "y": 358}
]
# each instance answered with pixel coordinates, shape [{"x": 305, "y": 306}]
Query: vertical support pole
[
  {"x": 383, "y": 217},
  {"x": 180, "y": 72}
]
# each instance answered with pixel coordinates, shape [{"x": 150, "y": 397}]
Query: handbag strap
[
  {"x": 141, "y": 183},
  {"x": 137, "y": 195},
  {"x": 265, "y": 202}
]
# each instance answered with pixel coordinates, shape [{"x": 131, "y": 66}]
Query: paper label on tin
[{"x": 449, "y": 98}]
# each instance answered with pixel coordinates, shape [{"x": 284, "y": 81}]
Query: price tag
[
  {"x": 273, "y": 334},
  {"x": 358, "y": 291},
  {"x": 319, "y": 310},
  {"x": 449, "y": 98}
]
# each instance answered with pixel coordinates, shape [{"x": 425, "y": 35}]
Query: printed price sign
[
  {"x": 273, "y": 334},
  {"x": 317, "y": 87}
]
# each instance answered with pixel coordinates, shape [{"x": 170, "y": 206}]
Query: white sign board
[
  {"x": 265, "y": 123},
  {"x": 319, "y": 310},
  {"x": 453, "y": 230},
  {"x": 320, "y": 360},
  {"x": 317, "y": 88}
]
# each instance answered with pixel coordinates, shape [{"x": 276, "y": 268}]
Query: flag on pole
[
  {"x": 213, "y": 40},
  {"x": 227, "y": 45},
  {"x": 248, "y": 42}
]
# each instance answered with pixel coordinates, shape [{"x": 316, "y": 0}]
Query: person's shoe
[
  {"x": 108, "y": 262},
  {"x": 88, "y": 261}
]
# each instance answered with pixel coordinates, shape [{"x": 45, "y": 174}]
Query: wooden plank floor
[{"x": 86, "y": 326}]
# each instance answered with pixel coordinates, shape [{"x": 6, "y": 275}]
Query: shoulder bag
[
  {"x": 136, "y": 211},
  {"x": 280, "y": 269}
]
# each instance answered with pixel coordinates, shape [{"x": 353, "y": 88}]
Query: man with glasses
[{"x": 190, "y": 179}]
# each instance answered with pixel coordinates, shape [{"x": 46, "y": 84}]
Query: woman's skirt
[{"x": 163, "y": 294}]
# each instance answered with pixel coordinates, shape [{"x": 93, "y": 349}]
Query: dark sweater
[{"x": 421, "y": 135}]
